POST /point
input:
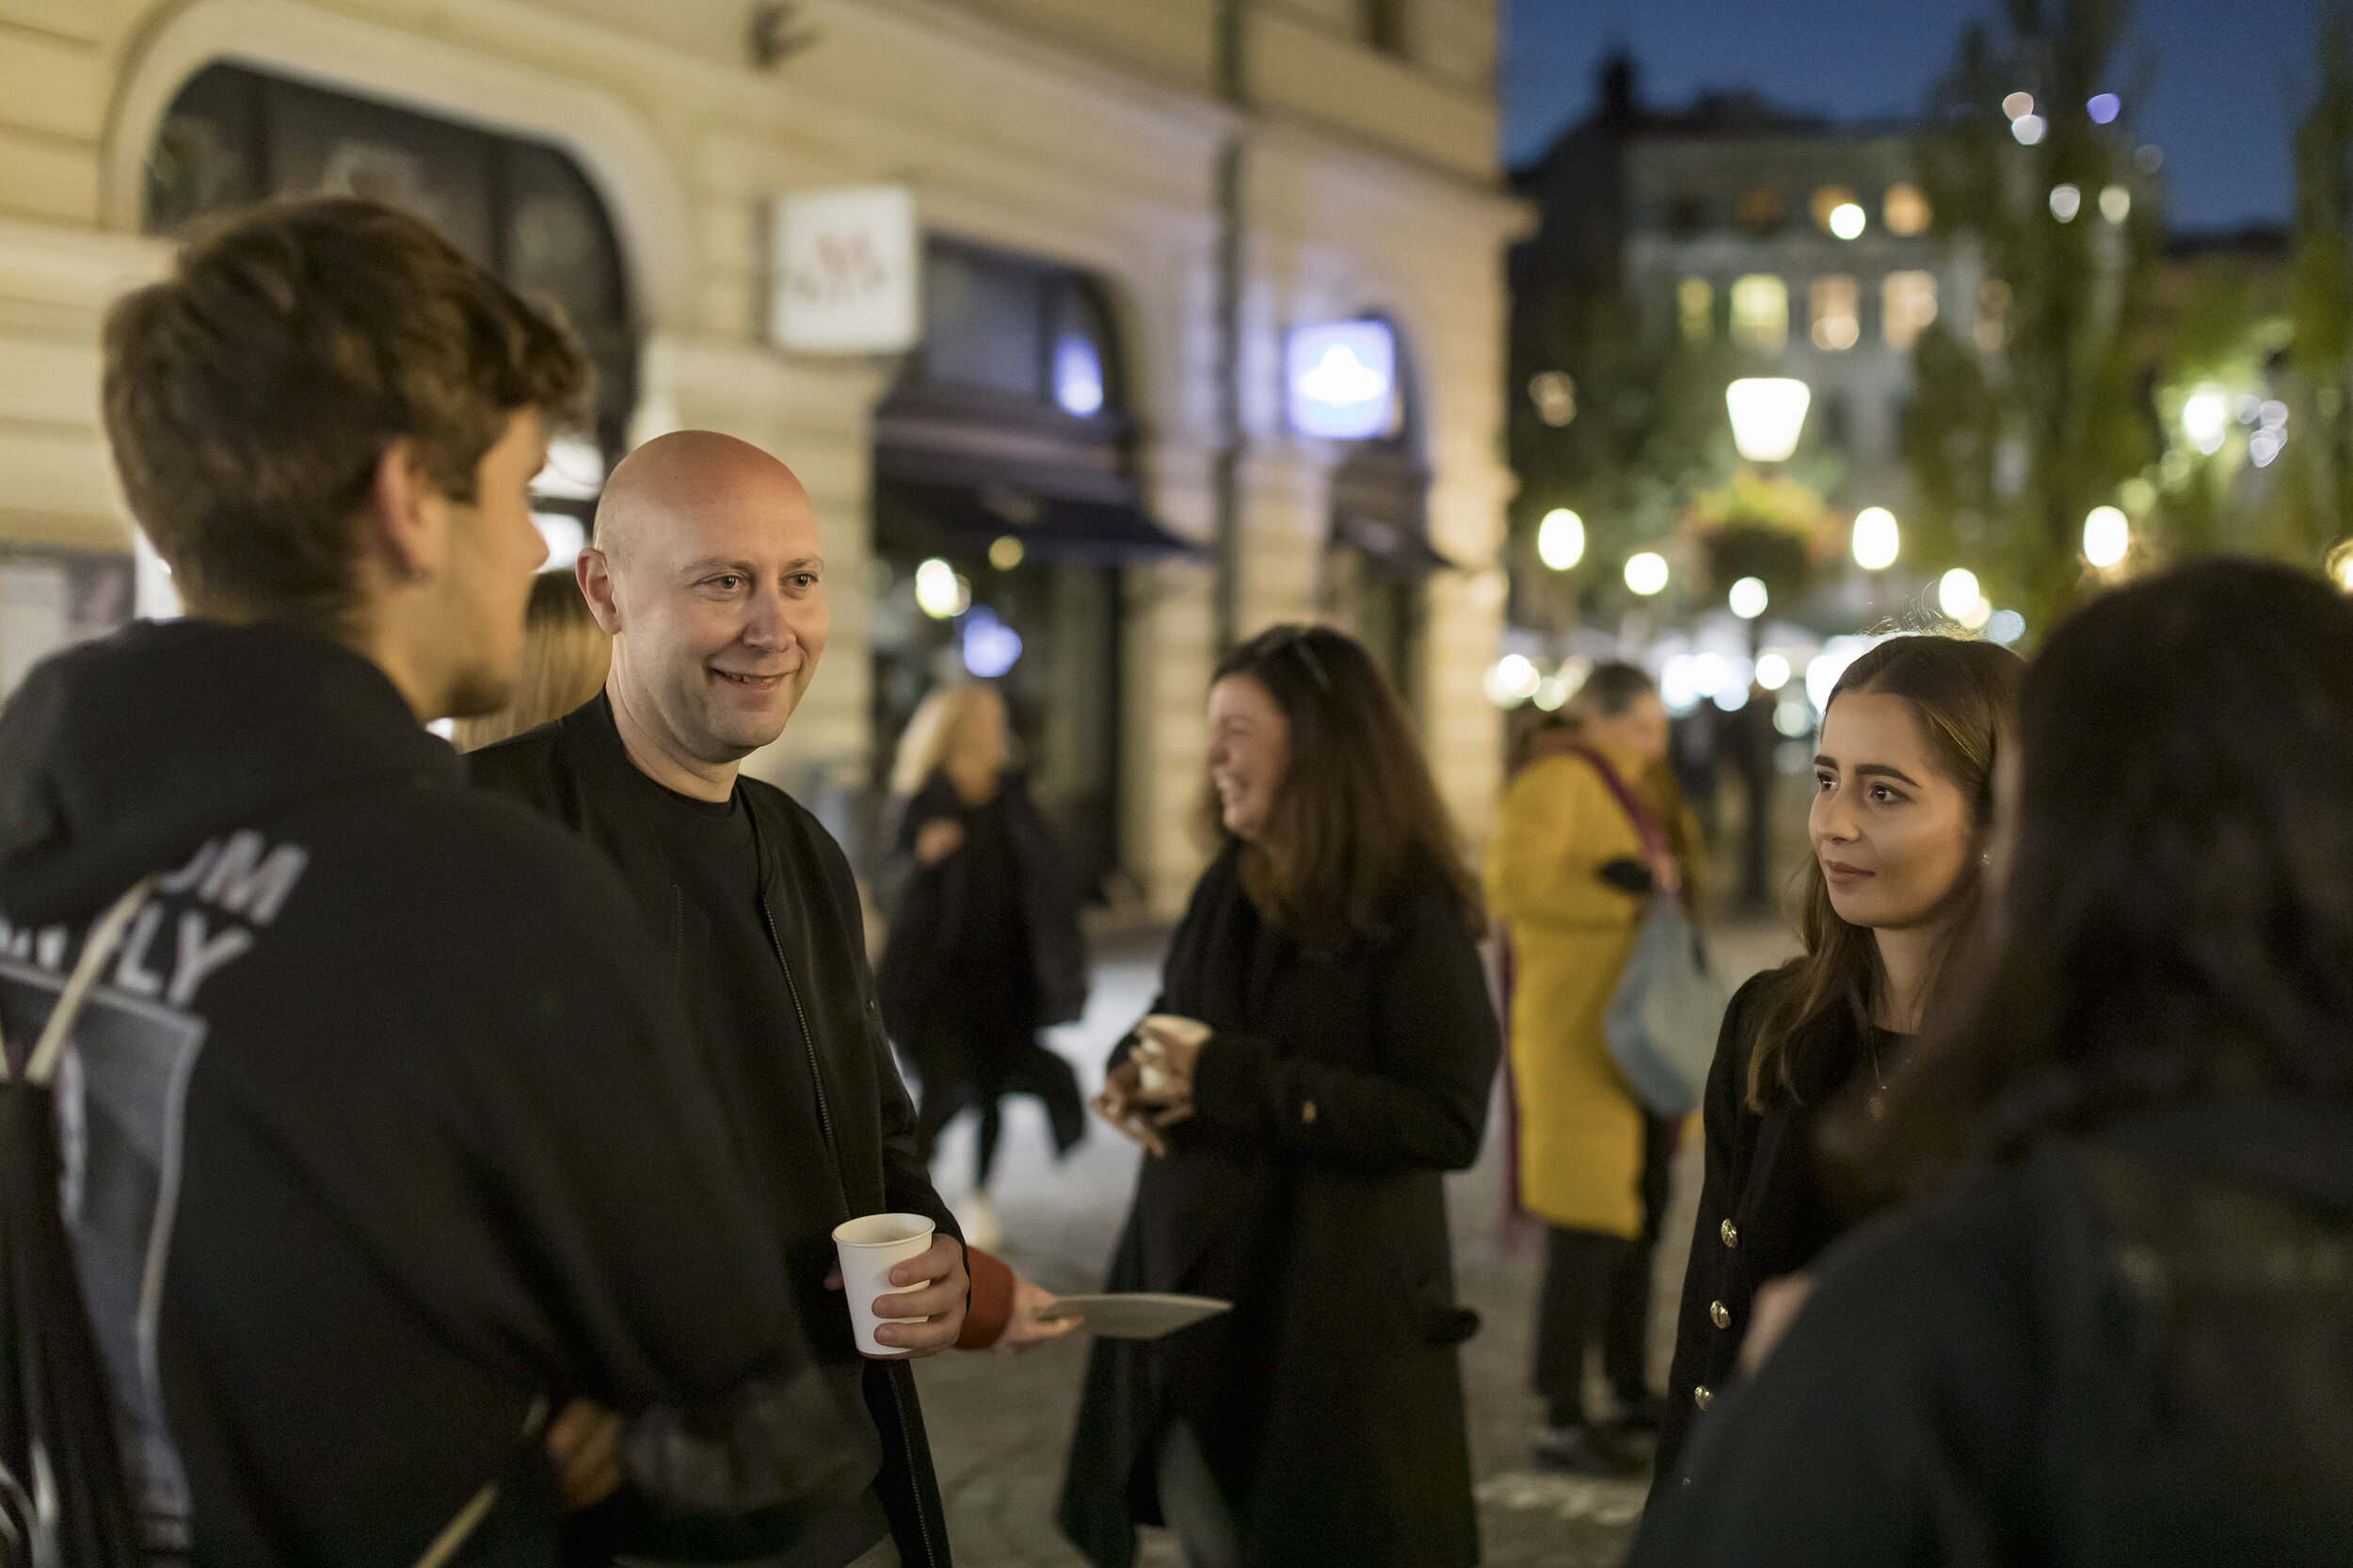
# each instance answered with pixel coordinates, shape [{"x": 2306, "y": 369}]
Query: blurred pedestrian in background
[
  {"x": 985, "y": 948},
  {"x": 1295, "y": 1154},
  {"x": 1569, "y": 874},
  {"x": 2120, "y": 1326},
  {"x": 565, "y": 657},
  {"x": 1901, "y": 818}
]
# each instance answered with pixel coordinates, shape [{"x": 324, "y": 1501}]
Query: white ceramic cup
[
  {"x": 1152, "y": 1077},
  {"x": 869, "y": 1248}
]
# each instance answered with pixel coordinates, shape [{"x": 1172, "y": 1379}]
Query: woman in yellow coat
[{"x": 1570, "y": 878}]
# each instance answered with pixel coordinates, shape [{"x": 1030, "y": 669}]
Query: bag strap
[
  {"x": 41, "y": 1066},
  {"x": 1646, "y": 825},
  {"x": 468, "y": 1518}
]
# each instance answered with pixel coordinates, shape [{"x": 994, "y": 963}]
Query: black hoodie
[{"x": 378, "y": 1131}]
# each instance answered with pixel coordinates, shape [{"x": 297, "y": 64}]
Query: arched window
[
  {"x": 233, "y": 136},
  {"x": 1379, "y": 552},
  {"x": 1004, "y": 475}
]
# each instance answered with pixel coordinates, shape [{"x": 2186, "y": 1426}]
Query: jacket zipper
[
  {"x": 825, "y": 1123},
  {"x": 808, "y": 1041}
]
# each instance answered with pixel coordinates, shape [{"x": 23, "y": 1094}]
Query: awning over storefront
[
  {"x": 954, "y": 520},
  {"x": 956, "y": 470},
  {"x": 1380, "y": 506},
  {"x": 1403, "y": 548}
]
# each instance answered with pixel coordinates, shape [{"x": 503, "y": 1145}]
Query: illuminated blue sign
[{"x": 1342, "y": 376}]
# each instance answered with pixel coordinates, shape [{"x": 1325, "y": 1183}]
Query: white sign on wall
[
  {"x": 849, "y": 272},
  {"x": 1342, "y": 379}
]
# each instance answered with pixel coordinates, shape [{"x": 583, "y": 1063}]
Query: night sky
[{"x": 2227, "y": 79}]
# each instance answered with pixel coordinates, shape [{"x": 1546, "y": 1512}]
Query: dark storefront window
[
  {"x": 1378, "y": 553},
  {"x": 522, "y": 208},
  {"x": 1005, "y": 498}
]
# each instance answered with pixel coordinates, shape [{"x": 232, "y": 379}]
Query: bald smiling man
[{"x": 709, "y": 571}]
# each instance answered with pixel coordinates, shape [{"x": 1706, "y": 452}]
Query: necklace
[{"x": 1876, "y": 1106}]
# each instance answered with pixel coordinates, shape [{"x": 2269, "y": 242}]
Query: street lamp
[
  {"x": 1749, "y": 597},
  {"x": 1768, "y": 411},
  {"x": 1646, "y": 573}
]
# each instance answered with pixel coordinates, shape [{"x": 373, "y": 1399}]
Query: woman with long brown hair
[
  {"x": 1900, "y": 825},
  {"x": 1295, "y": 1154},
  {"x": 2116, "y": 1324}
]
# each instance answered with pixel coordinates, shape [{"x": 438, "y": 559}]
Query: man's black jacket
[
  {"x": 576, "y": 772},
  {"x": 376, "y": 1091}
]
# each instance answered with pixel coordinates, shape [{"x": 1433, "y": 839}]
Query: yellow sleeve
[{"x": 1559, "y": 824}]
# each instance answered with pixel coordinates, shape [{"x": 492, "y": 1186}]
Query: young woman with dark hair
[
  {"x": 2119, "y": 1328},
  {"x": 1900, "y": 825},
  {"x": 1295, "y": 1154}
]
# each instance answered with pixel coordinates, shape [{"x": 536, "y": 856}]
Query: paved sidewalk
[{"x": 1000, "y": 1426}]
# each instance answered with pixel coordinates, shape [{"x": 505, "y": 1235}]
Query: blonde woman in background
[
  {"x": 984, "y": 949},
  {"x": 566, "y": 655}
]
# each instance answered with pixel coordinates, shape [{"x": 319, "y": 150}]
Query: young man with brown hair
[{"x": 381, "y": 1139}]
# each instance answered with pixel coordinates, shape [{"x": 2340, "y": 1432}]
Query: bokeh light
[
  {"x": 2107, "y": 536},
  {"x": 1560, "y": 539},
  {"x": 1878, "y": 540}
]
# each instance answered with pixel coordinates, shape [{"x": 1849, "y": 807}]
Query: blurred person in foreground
[
  {"x": 1570, "y": 873},
  {"x": 381, "y": 1140},
  {"x": 707, "y": 569},
  {"x": 1901, "y": 819},
  {"x": 984, "y": 949},
  {"x": 2118, "y": 1325},
  {"x": 566, "y": 656},
  {"x": 1295, "y": 1154}
]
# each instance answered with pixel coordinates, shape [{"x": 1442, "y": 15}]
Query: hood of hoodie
[
  {"x": 2298, "y": 1146},
  {"x": 121, "y": 756}
]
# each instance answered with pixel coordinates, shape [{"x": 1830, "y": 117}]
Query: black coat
[
  {"x": 1306, "y": 1189},
  {"x": 2136, "y": 1347},
  {"x": 930, "y": 904},
  {"x": 1763, "y": 1211},
  {"x": 575, "y": 772}
]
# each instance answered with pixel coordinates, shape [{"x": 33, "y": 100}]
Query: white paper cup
[
  {"x": 1151, "y": 1076},
  {"x": 869, "y": 1248}
]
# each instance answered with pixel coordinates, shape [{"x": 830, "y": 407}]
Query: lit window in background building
[
  {"x": 1907, "y": 305},
  {"x": 1993, "y": 328},
  {"x": 1834, "y": 305},
  {"x": 1760, "y": 311},
  {"x": 1759, "y": 211},
  {"x": 1695, "y": 303},
  {"x": 1905, "y": 210},
  {"x": 1554, "y": 392},
  {"x": 1826, "y": 202}
]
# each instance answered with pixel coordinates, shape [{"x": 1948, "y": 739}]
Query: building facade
[
  {"x": 1802, "y": 245},
  {"x": 1124, "y": 207}
]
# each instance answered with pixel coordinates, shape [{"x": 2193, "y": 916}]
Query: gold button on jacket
[
  {"x": 1731, "y": 1233},
  {"x": 1719, "y": 1314},
  {"x": 1701, "y": 1397}
]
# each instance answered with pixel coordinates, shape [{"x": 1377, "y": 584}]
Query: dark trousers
[
  {"x": 951, "y": 1086},
  {"x": 941, "y": 1105},
  {"x": 1599, "y": 1284}
]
